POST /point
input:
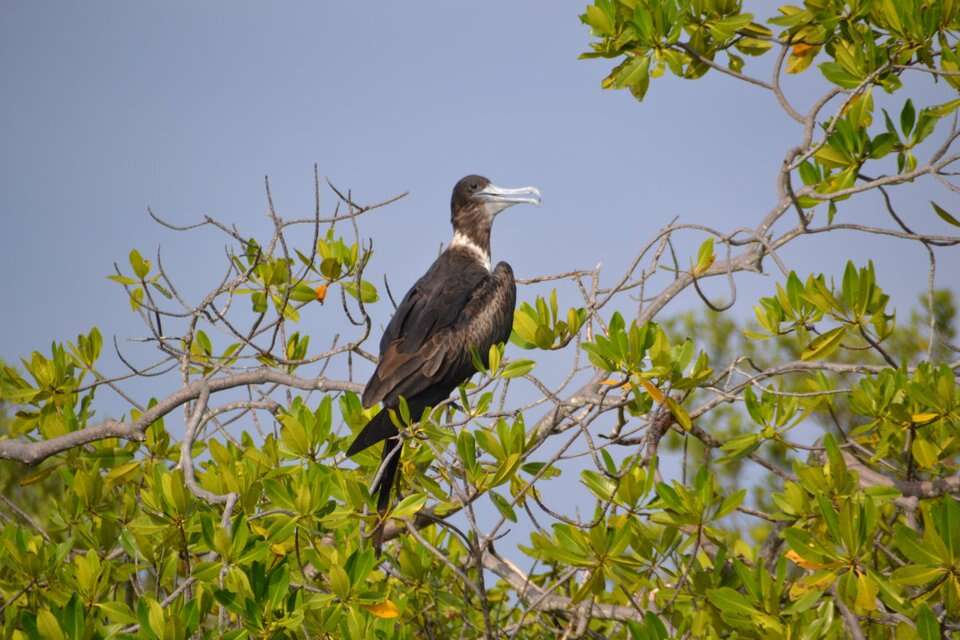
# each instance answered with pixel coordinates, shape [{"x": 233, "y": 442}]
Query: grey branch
[
  {"x": 909, "y": 488},
  {"x": 34, "y": 452},
  {"x": 533, "y": 594}
]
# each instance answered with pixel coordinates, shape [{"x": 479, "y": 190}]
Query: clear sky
[
  {"x": 112, "y": 106},
  {"x": 108, "y": 107}
]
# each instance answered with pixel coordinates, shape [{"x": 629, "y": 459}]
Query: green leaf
[
  {"x": 836, "y": 74},
  {"x": 136, "y": 298},
  {"x": 752, "y": 46},
  {"x": 681, "y": 415},
  {"x": 909, "y": 543},
  {"x": 409, "y": 506},
  {"x": 506, "y": 469},
  {"x": 599, "y": 20},
  {"x": 367, "y": 293},
  {"x": 730, "y": 503},
  {"x": 533, "y": 468},
  {"x": 598, "y": 484},
  {"x": 946, "y": 217},
  {"x": 832, "y": 157},
  {"x": 729, "y": 601},
  {"x": 927, "y": 626},
  {"x": 118, "y": 612},
  {"x": 926, "y": 123},
  {"x": 140, "y": 266},
  {"x": 944, "y": 109},
  {"x": 831, "y": 212},
  {"x": 72, "y": 617},
  {"x": 331, "y": 268},
  {"x": 634, "y": 74},
  {"x": 867, "y": 591},
  {"x": 503, "y": 506},
  {"x": 517, "y": 368},
  {"x": 544, "y": 336},
  {"x": 913, "y": 575},
  {"x": 908, "y": 116},
  {"x": 163, "y": 290},
  {"x": 303, "y": 293},
  {"x": 494, "y": 354},
  {"x": 122, "y": 279},
  {"x": 883, "y": 144},
  {"x": 823, "y": 345},
  {"x": 705, "y": 257},
  {"x": 725, "y": 28},
  {"x": 838, "y": 467},
  {"x": 926, "y": 453},
  {"x": 490, "y": 444},
  {"x": 467, "y": 448},
  {"x": 48, "y": 627},
  {"x": 806, "y": 547},
  {"x": 339, "y": 581},
  {"x": 739, "y": 446}
]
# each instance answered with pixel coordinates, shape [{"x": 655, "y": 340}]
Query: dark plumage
[{"x": 459, "y": 305}]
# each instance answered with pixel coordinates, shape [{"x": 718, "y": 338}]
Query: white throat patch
[{"x": 464, "y": 241}]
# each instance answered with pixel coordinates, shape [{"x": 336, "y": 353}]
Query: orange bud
[{"x": 321, "y": 293}]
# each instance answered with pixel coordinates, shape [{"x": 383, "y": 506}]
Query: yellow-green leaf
[
  {"x": 339, "y": 581},
  {"x": 824, "y": 344},
  {"x": 944, "y": 215},
  {"x": 705, "y": 257},
  {"x": 118, "y": 612},
  {"x": 409, "y": 506},
  {"x": 48, "y": 626},
  {"x": 517, "y": 368},
  {"x": 38, "y": 476},
  {"x": 681, "y": 415},
  {"x": 120, "y": 472},
  {"x": 652, "y": 389},
  {"x": 925, "y": 452},
  {"x": 866, "y": 593}
]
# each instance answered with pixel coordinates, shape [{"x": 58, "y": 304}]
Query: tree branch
[{"x": 34, "y": 452}]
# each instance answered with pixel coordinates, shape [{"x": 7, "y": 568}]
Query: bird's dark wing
[
  {"x": 417, "y": 376},
  {"x": 435, "y": 301},
  {"x": 418, "y": 338},
  {"x": 443, "y": 360}
]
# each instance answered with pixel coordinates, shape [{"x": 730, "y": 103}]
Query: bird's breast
[{"x": 488, "y": 317}]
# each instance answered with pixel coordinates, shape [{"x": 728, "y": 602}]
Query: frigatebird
[{"x": 458, "y": 308}]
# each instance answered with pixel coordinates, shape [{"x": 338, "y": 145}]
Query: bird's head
[
  {"x": 476, "y": 202},
  {"x": 478, "y": 193}
]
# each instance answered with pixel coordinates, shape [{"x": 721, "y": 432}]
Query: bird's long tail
[
  {"x": 389, "y": 462},
  {"x": 381, "y": 428}
]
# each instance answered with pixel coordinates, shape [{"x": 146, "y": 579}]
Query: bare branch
[{"x": 34, "y": 452}]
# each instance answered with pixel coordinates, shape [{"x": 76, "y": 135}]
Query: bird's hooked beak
[{"x": 496, "y": 199}]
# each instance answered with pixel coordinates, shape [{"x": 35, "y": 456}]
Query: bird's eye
[{"x": 474, "y": 186}]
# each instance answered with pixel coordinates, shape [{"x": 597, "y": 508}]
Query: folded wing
[{"x": 421, "y": 347}]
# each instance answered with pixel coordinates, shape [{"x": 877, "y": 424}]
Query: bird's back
[{"x": 457, "y": 306}]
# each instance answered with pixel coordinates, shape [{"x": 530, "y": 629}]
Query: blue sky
[
  {"x": 112, "y": 106},
  {"x": 109, "y": 107}
]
